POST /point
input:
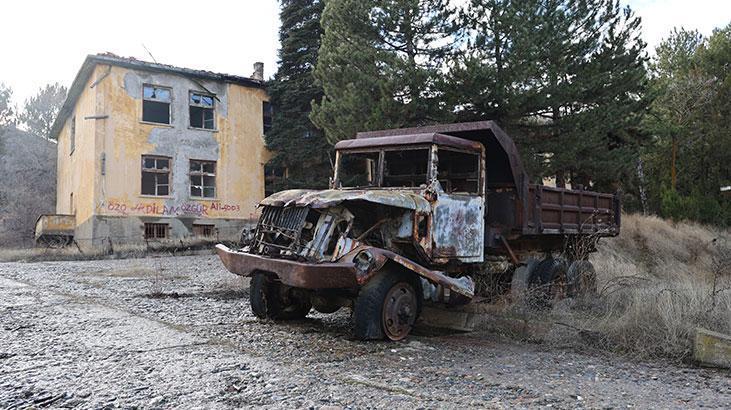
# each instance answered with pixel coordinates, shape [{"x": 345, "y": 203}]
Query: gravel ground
[{"x": 178, "y": 332}]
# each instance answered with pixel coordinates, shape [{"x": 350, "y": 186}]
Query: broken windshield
[
  {"x": 358, "y": 169},
  {"x": 401, "y": 168}
]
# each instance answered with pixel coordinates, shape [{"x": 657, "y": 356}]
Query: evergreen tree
[
  {"x": 565, "y": 77},
  {"x": 380, "y": 65},
  {"x": 40, "y": 111},
  {"x": 689, "y": 161},
  {"x": 298, "y": 145}
]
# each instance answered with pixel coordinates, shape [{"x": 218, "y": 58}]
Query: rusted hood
[{"x": 332, "y": 197}]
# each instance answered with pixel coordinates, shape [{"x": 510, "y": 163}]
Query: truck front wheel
[
  {"x": 271, "y": 300},
  {"x": 387, "y": 306}
]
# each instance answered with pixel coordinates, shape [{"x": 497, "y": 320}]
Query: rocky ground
[{"x": 178, "y": 332}]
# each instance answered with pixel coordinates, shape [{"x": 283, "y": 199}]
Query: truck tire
[
  {"x": 521, "y": 277},
  {"x": 546, "y": 283},
  {"x": 387, "y": 306},
  {"x": 581, "y": 279},
  {"x": 269, "y": 300}
]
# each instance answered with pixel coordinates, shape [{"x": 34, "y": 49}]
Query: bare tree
[
  {"x": 40, "y": 111},
  {"x": 30, "y": 190}
]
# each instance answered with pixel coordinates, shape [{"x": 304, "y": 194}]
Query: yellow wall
[
  {"x": 76, "y": 169},
  {"x": 122, "y": 138}
]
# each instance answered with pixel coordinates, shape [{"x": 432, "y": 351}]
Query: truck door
[{"x": 459, "y": 209}]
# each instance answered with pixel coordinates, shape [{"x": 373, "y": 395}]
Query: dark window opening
[
  {"x": 155, "y": 175},
  {"x": 203, "y": 230},
  {"x": 358, "y": 169},
  {"x": 201, "y": 111},
  {"x": 267, "y": 114},
  {"x": 72, "y": 135},
  {"x": 156, "y": 104},
  {"x": 202, "y": 179},
  {"x": 459, "y": 171},
  {"x": 405, "y": 168},
  {"x": 156, "y": 231}
]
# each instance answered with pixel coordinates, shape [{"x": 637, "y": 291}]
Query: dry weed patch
[{"x": 657, "y": 282}]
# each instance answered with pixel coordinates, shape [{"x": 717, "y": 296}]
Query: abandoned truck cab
[{"x": 408, "y": 219}]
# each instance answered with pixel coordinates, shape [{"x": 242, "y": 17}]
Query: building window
[
  {"x": 201, "y": 111},
  {"x": 155, "y": 175},
  {"x": 156, "y": 104},
  {"x": 203, "y": 230},
  {"x": 202, "y": 179},
  {"x": 156, "y": 231},
  {"x": 72, "y": 135},
  {"x": 267, "y": 113}
]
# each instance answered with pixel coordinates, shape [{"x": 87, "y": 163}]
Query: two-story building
[{"x": 152, "y": 151}]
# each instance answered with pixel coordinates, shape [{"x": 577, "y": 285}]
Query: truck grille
[{"x": 279, "y": 231}]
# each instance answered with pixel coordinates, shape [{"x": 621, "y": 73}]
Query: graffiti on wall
[{"x": 199, "y": 209}]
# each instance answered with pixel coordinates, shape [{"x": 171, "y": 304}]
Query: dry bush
[{"x": 657, "y": 282}]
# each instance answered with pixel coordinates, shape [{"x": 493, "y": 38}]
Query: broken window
[
  {"x": 358, "y": 169},
  {"x": 405, "y": 168},
  {"x": 201, "y": 111},
  {"x": 203, "y": 230},
  {"x": 267, "y": 114},
  {"x": 72, "y": 135},
  {"x": 155, "y": 175},
  {"x": 156, "y": 104},
  {"x": 202, "y": 179},
  {"x": 156, "y": 231},
  {"x": 459, "y": 171}
]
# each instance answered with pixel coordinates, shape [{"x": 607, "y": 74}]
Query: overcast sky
[{"x": 46, "y": 41}]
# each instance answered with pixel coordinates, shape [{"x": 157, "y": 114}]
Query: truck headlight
[{"x": 364, "y": 261}]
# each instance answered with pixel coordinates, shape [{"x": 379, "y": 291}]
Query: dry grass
[{"x": 657, "y": 282}]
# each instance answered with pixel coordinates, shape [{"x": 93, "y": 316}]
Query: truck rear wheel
[
  {"x": 387, "y": 306},
  {"x": 547, "y": 282},
  {"x": 270, "y": 299}
]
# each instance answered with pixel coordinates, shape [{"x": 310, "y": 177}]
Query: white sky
[{"x": 46, "y": 41}]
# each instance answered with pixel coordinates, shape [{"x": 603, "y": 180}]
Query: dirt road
[{"x": 99, "y": 334}]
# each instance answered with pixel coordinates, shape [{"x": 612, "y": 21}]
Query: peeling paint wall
[{"x": 105, "y": 176}]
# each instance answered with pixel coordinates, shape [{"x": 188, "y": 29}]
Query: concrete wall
[
  {"x": 76, "y": 169},
  {"x": 108, "y": 197}
]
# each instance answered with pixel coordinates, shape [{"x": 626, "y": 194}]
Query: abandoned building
[{"x": 148, "y": 151}]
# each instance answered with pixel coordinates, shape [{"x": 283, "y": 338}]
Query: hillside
[{"x": 28, "y": 163}]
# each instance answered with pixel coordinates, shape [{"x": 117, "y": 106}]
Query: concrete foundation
[{"x": 99, "y": 231}]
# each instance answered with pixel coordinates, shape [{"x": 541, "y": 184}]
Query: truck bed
[{"x": 563, "y": 211}]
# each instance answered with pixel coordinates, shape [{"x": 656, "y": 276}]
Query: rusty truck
[{"x": 415, "y": 216}]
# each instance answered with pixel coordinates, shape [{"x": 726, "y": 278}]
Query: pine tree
[
  {"x": 380, "y": 64},
  {"x": 565, "y": 77},
  {"x": 40, "y": 111},
  {"x": 298, "y": 145}
]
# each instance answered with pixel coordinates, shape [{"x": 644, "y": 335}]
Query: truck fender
[{"x": 439, "y": 287}]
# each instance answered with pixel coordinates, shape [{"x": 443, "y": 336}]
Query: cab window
[
  {"x": 358, "y": 169},
  {"x": 405, "y": 168},
  {"x": 459, "y": 172}
]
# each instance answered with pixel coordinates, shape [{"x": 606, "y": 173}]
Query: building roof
[
  {"x": 409, "y": 139},
  {"x": 77, "y": 87}
]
